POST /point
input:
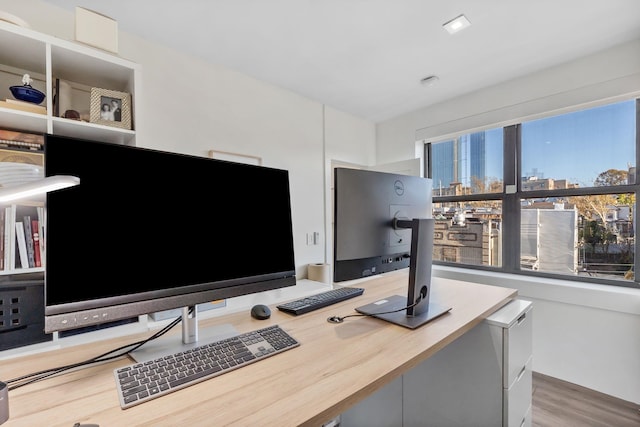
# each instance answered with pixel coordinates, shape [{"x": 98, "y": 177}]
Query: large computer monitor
[
  {"x": 382, "y": 222},
  {"x": 148, "y": 230}
]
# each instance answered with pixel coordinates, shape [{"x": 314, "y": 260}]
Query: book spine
[
  {"x": 7, "y": 232},
  {"x": 36, "y": 243},
  {"x": 2, "y": 237},
  {"x": 56, "y": 98},
  {"x": 28, "y": 236},
  {"x": 41, "y": 219},
  {"x": 22, "y": 245},
  {"x": 10, "y": 241}
]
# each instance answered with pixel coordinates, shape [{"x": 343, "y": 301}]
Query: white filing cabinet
[
  {"x": 482, "y": 379},
  {"x": 514, "y": 323}
]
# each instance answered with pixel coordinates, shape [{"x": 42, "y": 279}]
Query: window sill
[{"x": 605, "y": 297}]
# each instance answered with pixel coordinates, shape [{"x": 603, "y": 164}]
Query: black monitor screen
[{"x": 148, "y": 230}]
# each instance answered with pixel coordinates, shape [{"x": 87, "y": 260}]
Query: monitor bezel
[{"x": 101, "y": 310}]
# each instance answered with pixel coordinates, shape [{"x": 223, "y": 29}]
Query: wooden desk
[{"x": 335, "y": 367}]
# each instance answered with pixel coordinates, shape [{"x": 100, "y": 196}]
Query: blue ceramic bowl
[{"x": 27, "y": 93}]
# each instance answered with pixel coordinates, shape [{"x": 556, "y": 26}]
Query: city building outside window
[{"x": 553, "y": 196}]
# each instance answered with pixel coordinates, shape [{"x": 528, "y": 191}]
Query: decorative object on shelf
[
  {"x": 320, "y": 272},
  {"x": 110, "y": 107},
  {"x": 26, "y": 92},
  {"x": 71, "y": 114},
  {"x": 96, "y": 29}
]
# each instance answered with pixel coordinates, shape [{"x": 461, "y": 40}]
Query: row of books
[
  {"x": 22, "y": 237},
  {"x": 21, "y": 225},
  {"x": 21, "y": 140}
]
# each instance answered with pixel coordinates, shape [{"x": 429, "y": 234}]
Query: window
[
  {"x": 468, "y": 229},
  {"x": 586, "y": 148},
  {"x": 553, "y": 196},
  {"x": 469, "y": 164}
]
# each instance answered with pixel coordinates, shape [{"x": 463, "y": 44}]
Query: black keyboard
[
  {"x": 141, "y": 382},
  {"x": 314, "y": 302}
]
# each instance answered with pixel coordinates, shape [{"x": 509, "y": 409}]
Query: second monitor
[
  {"x": 416, "y": 308},
  {"x": 382, "y": 222}
]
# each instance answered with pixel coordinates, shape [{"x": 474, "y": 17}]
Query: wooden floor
[{"x": 560, "y": 404}]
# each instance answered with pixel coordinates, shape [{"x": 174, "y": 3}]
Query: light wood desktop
[{"x": 335, "y": 367}]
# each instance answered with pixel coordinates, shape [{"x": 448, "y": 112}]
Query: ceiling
[{"x": 367, "y": 57}]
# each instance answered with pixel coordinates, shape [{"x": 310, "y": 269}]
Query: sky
[
  {"x": 579, "y": 146},
  {"x": 576, "y": 146}
]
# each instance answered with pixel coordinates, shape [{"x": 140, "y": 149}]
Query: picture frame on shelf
[{"x": 110, "y": 108}]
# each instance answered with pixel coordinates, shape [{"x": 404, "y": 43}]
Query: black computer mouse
[{"x": 260, "y": 312}]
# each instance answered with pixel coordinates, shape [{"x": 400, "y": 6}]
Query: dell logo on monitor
[{"x": 398, "y": 186}]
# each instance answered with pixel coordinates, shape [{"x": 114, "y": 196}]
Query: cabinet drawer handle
[
  {"x": 521, "y": 318},
  {"x": 524, "y": 368}
]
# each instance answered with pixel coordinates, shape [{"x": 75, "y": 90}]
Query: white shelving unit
[{"x": 46, "y": 58}]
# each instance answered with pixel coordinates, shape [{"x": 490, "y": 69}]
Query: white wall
[
  {"x": 583, "y": 333},
  {"x": 346, "y": 142},
  {"x": 188, "y": 106},
  {"x": 236, "y": 114},
  {"x": 597, "y": 78}
]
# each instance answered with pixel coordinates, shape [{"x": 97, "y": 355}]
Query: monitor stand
[
  {"x": 404, "y": 311},
  {"x": 192, "y": 337},
  {"x": 397, "y": 305}
]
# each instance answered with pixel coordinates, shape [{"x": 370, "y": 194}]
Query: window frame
[{"x": 512, "y": 194}]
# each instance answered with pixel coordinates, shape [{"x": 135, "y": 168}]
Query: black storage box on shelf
[{"x": 22, "y": 314}]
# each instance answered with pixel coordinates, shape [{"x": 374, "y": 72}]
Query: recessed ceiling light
[
  {"x": 456, "y": 24},
  {"x": 429, "y": 81}
]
